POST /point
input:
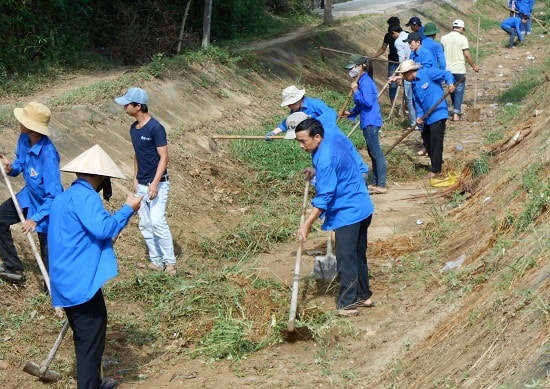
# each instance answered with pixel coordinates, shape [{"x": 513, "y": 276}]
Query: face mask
[{"x": 354, "y": 72}]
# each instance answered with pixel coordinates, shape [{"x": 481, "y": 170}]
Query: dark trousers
[
  {"x": 8, "y": 253},
  {"x": 89, "y": 324},
  {"x": 433, "y": 136},
  {"x": 351, "y": 256}
]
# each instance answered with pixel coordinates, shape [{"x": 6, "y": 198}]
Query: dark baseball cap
[
  {"x": 414, "y": 36},
  {"x": 414, "y": 20}
]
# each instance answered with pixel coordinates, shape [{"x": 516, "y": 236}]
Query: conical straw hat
[{"x": 94, "y": 161}]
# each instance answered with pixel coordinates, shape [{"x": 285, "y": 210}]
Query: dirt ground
[{"x": 414, "y": 337}]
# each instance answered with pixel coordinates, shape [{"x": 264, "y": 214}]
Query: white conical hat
[{"x": 94, "y": 161}]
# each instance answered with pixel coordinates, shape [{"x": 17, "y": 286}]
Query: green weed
[
  {"x": 528, "y": 80},
  {"x": 481, "y": 165}
]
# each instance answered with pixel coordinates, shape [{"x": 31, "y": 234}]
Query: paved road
[{"x": 358, "y": 7}]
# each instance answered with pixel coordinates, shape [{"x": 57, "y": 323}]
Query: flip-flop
[
  {"x": 108, "y": 383},
  {"x": 422, "y": 152}
]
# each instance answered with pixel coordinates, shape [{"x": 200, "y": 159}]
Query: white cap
[
  {"x": 292, "y": 122},
  {"x": 458, "y": 23}
]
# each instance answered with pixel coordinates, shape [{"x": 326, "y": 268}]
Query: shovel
[
  {"x": 325, "y": 266},
  {"x": 475, "y": 113}
]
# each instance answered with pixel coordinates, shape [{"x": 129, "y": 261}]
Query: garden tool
[
  {"x": 43, "y": 372},
  {"x": 296, "y": 279},
  {"x": 325, "y": 266},
  {"x": 475, "y": 113},
  {"x": 423, "y": 117}
]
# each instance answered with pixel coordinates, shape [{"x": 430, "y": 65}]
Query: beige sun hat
[
  {"x": 292, "y": 95},
  {"x": 408, "y": 65},
  {"x": 35, "y": 117},
  {"x": 94, "y": 161},
  {"x": 292, "y": 122}
]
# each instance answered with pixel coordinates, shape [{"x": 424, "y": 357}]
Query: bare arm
[
  {"x": 470, "y": 60},
  {"x": 161, "y": 168},
  {"x": 380, "y": 51}
]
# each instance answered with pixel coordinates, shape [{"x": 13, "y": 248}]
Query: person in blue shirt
[
  {"x": 427, "y": 90},
  {"x": 82, "y": 259},
  {"x": 343, "y": 201},
  {"x": 331, "y": 130},
  {"x": 416, "y": 25},
  {"x": 434, "y": 47},
  {"x": 297, "y": 101},
  {"x": 37, "y": 160},
  {"x": 513, "y": 27},
  {"x": 365, "y": 97},
  {"x": 418, "y": 53}
]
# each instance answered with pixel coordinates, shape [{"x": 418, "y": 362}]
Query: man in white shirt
[{"x": 457, "y": 52}]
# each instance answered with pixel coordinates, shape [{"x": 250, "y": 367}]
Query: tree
[
  {"x": 328, "y": 12},
  {"x": 206, "y": 23}
]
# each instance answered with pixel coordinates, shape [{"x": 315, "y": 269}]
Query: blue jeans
[
  {"x": 351, "y": 262},
  {"x": 457, "y": 97},
  {"x": 512, "y": 32},
  {"x": 407, "y": 85},
  {"x": 393, "y": 85},
  {"x": 370, "y": 133},
  {"x": 153, "y": 225}
]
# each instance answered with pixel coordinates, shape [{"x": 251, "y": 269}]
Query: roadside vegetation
[{"x": 225, "y": 310}]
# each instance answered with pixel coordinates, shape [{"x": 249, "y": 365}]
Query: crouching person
[{"x": 82, "y": 258}]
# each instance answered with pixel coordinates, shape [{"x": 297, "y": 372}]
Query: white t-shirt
[{"x": 454, "y": 44}]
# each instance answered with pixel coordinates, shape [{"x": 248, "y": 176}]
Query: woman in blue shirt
[
  {"x": 365, "y": 97},
  {"x": 82, "y": 258},
  {"x": 342, "y": 200}
]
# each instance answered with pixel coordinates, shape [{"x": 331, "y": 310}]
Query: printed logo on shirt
[
  {"x": 424, "y": 86},
  {"x": 145, "y": 138},
  {"x": 33, "y": 173}
]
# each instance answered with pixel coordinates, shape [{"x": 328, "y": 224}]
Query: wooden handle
[
  {"x": 296, "y": 280},
  {"x": 244, "y": 137},
  {"x": 424, "y": 116}
]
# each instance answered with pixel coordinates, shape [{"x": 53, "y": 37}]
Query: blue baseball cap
[
  {"x": 134, "y": 95},
  {"x": 414, "y": 20}
]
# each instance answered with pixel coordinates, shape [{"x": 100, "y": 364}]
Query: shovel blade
[
  {"x": 325, "y": 267},
  {"x": 474, "y": 114}
]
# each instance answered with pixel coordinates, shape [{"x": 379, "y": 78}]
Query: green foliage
[
  {"x": 157, "y": 65},
  {"x": 537, "y": 187},
  {"x": 481, "y": 165},
  {"x": 523, "y": 87}
]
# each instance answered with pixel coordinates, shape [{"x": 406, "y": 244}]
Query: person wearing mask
[{"x": 365, "y": 97}]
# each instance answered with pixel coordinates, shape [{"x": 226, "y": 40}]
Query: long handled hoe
[{"x": 42, "y": 372}]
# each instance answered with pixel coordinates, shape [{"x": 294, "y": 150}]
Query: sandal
[
  {"x": 422, "y": 152},
  {"x": 108, "y": 383},
  {"x": 149, "y": 266}
]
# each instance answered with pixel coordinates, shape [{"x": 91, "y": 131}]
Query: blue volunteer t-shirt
[{"x": 145, "y": 141}]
